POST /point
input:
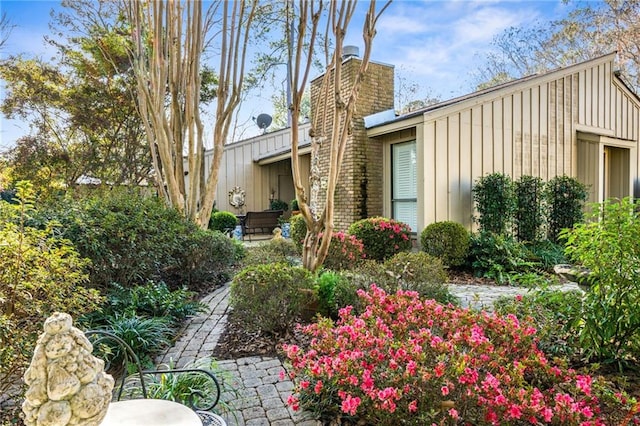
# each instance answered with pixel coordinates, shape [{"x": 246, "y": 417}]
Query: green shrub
[
  {"x": 278, "y": 205},
  {"x": 204, "y": 261},
  {"x": 152, "y": 300},
  {"x": 448, "y": 241},
  {"x": 370, "y": 272},
  {"x": 553, "y": 313},
  {"x": 418, "y": 272},
  {"x": 609, "y": 247},
  {"x": 298, "y": 230},
  {"x": 382, "y": 237},
  {"x": 529, "y": 214},
  {"x": 129, "y": 238},
  {"x": 145, "y": 336},
  {"x": 270, "y": 298},
  {"x": 294, "y": 205},
  {"x": 223, "y": 221},
  {"x": 39, "y": 275},
  {"x": 345, "y": 252},
  {"x": 498, "y": 257},
  {"x": 277, "y": 250},
  {"x": 422, "y": 273},
  {"x": 546, "y": 253},
  {"x": 495, "y": 201},
  {"x": 326, "y": 283},
  {"x": 565, "y": 198}
]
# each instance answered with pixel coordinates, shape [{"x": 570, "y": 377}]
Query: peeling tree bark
[
  {"x": 307, "y": 15},
  {"x": 169, "y": 41}
]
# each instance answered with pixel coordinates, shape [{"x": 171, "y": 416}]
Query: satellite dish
[{"x": 263, "y": 121}]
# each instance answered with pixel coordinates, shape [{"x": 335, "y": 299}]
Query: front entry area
[{"x": 605, "y": 166}]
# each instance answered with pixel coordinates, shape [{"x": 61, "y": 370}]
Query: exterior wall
[
  {"x": 360, "y": 185},
  {"x": 240, "y": 168},
  {"x": 528, "y": 129}
]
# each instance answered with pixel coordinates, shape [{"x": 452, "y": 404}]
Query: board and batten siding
[
  {"x": 529, "y": 128},
  {"x": 239, "y": 168}
]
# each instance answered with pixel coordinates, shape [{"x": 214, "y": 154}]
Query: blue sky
[{"x": 434, "y": 43}]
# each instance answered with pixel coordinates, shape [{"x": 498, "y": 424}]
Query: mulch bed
[{"x": 237, "y": 342}]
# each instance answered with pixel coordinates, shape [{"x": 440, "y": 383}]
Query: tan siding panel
[
  {"x": 543, "y": 132},
  {"x": 429, "y": 172},
  {"x": 507, "y": 120},
  {"x": 466, "y": 176},
  {"x": 453, "y": 195},
  {"x": 535, "y": 131},
  {"x": 487, "y": 139},
  {"x": 441, "y": 170},
  {"x": 476, "y": 141},
  {"x": 517, "y": 135},
  {"x": 527, "y": 148},
  {"x": 497, "y": 141},
  {"x": 600, "y": 112}
]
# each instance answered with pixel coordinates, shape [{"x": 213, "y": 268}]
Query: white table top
[{"x": 156, "y": 412}]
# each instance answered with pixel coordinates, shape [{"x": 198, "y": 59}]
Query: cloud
[
  {"x": 487, "y": 22},
  {"x": 440, "y": 41}
]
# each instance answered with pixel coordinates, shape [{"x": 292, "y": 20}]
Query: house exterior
[{"x": 581, "y": 121}]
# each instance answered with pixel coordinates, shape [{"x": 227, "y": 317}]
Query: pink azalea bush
[
  {"x": 345, "y": 251},
  {"x": 382, "y": 237},
  {"x": 412, "y": 361}
]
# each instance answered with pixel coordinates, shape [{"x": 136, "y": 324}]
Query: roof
[{"x": 376, "y": 122}]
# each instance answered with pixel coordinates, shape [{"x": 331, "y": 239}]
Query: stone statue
[{"x": 67, "y": 385}]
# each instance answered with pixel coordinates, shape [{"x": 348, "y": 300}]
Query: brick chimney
[{"x": 359, "y": 189}]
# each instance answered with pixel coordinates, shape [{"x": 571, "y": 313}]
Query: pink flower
[
  {"x": 445, "y": 390},
  {"x": 293, "y": 402},
  {"x": 413, "y": 406},
  {"x": 350, "y": 405},
  {"x": 584, "y": 384},
  {"x": 318, "y": 387},
  {"x": 454, "y": 413},
  {"x": 515, "y": 412}
]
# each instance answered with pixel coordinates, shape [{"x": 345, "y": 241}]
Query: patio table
[{"x": 157, "y": 412}]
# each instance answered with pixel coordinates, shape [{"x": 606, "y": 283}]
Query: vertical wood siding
[
  {"x": 239, "y": 168},
  {"x": 527, "y": 129}
]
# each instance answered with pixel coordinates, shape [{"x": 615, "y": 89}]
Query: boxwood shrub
[
  {"x": 271, "y": 298},
  {"x": 448, "y": 241}
]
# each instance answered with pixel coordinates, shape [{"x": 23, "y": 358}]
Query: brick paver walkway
[{"x": 260, "y": 396}]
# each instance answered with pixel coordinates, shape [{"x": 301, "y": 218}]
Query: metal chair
[{"x": 126, "y": 358}]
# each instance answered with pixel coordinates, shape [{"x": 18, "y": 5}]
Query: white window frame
[{"x": 410, "y": 199}]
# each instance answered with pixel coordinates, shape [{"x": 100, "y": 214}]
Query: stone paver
[
  {"x": 483, "y": 296},
  {"x": 259, "y": 396}
]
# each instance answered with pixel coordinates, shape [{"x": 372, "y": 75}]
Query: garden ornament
[{"x": 67, "y": 385}]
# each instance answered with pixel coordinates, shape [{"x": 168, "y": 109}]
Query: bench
[
  {"x": 120, "y": 358},
  {"x": 261, "y": 222}
]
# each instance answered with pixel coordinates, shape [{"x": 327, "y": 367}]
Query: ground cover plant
[{"x": 410, "y": 361}]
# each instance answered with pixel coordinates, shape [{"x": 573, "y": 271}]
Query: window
[{"x": 404, "y": 190}]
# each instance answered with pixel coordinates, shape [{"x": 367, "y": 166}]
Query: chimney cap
[{"x": 349, "y": 52}]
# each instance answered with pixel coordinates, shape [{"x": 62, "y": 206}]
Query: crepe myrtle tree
[
  {"x": 309, "y": 23},
  {"x": 169, "y": 39}
]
